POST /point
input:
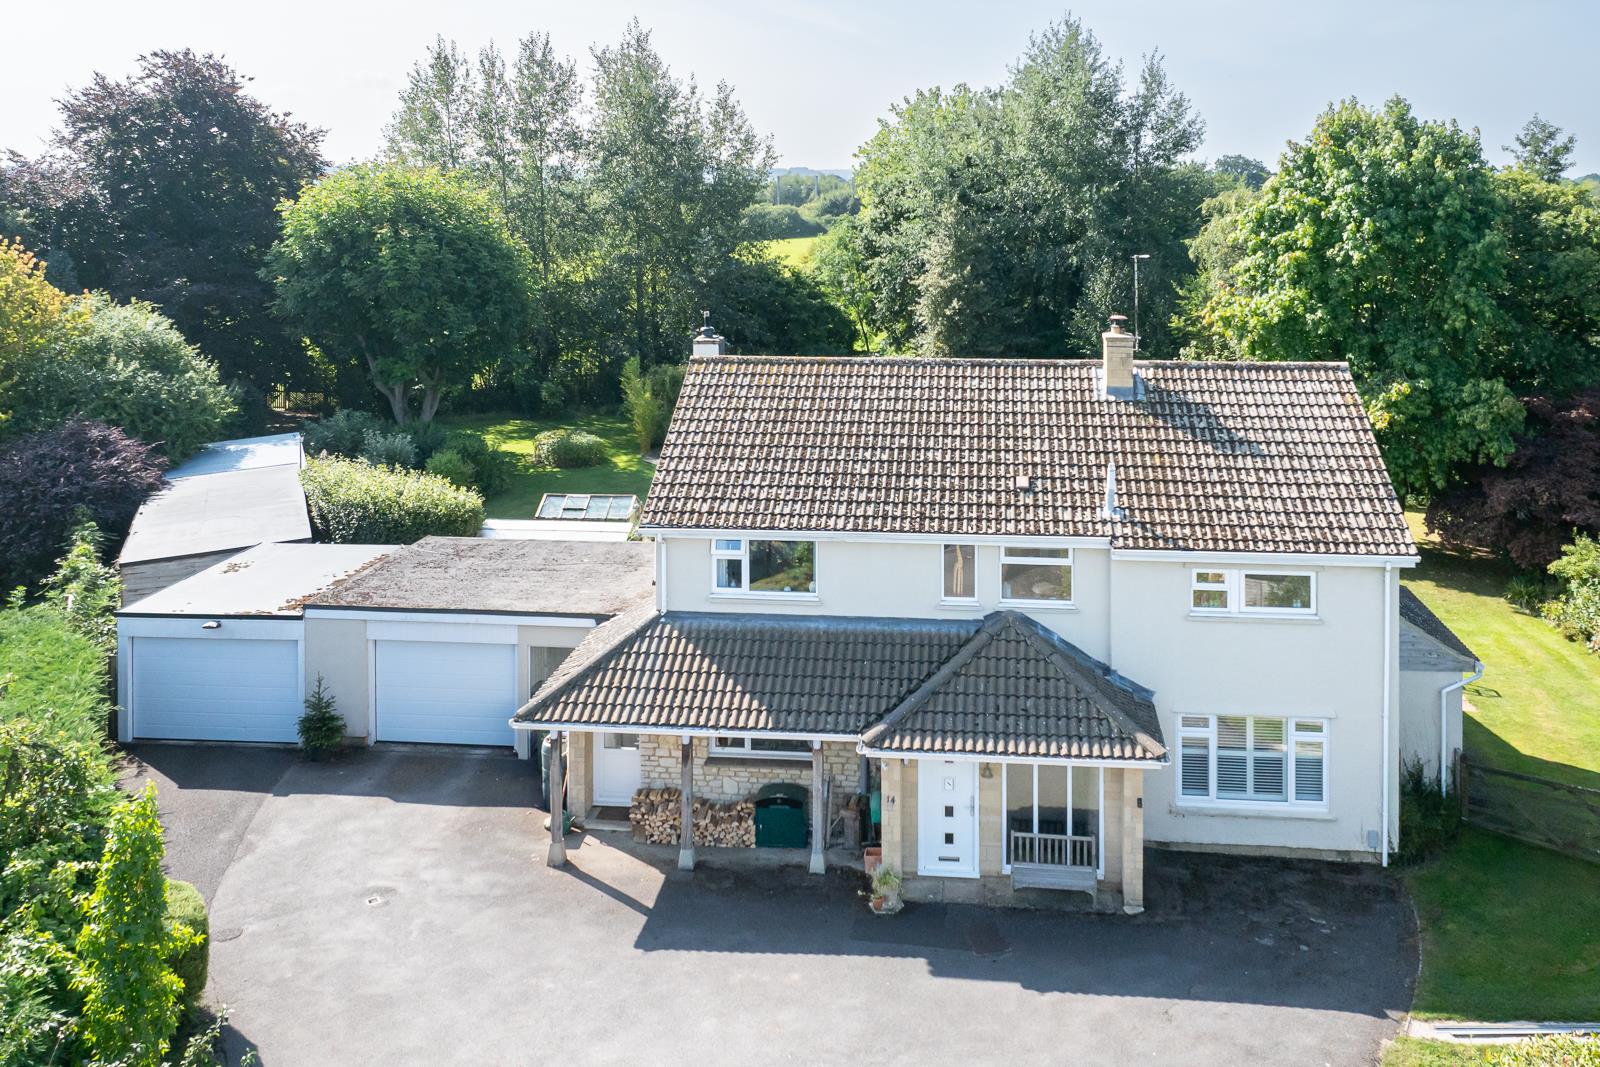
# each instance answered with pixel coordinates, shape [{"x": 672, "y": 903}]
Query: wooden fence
[{"x": 1540, "y": 811}]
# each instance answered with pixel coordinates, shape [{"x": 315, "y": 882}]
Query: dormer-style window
[
  {"x": 1036, "y": 576},
  {"x": 1222, "y": 591},
  {"x": 764, "y": 568},
  {"x": 960, "y": 581}
]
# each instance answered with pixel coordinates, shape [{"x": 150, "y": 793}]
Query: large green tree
[
  {"x": 1003, "y": 221},
  {"x": 162, "y": 187},
  {"x": 407, "y": 272},
  {"x": 1377, "y": 243}
]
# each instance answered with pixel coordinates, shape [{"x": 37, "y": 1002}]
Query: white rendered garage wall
[{"x": 1419, "y": 717}]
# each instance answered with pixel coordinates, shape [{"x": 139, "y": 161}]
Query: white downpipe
[
  {"x": 1444, "y": 722},
  {"x": 661, "y": 575},
  {"x": 1388, "y": 648}
]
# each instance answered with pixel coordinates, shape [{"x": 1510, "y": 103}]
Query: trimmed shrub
[
  {"x": 568, "y": 448},
  {"x": 492, "y": 468},
  {"x": 127, "y": 366},
  {"x": 355, "y": 503},
  {"x": 86, "y": 591},
  {"x": 1429, "y": 817},
  {"x": 47, "y": 477},
  {"x": 1527, "y": 593},
  {"x": 426, "y": 439},
  {"x": 452, "y": 465},
  {"x": 130, "y": 1002},
  {"x": 321, "y": 727},
  {"x": 341, "y": 434},
  {"x": 389, "y": 449},
  {"x": 191, "y": 956}
]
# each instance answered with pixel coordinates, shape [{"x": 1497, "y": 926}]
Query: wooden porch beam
[
  {"x": 686, "y": 817},
  {"x": 557, "y": 856},
  {"x": 819, "y": 811}
]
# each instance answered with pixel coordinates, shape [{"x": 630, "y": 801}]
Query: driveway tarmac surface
[{"x": 394, "y": 908}]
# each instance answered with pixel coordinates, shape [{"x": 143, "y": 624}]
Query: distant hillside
[
  {"x": 1590, "y": 182},
  {"x": 807, "y": 172}
]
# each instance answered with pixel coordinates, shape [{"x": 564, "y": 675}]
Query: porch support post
[
  {"x": 819, "y": 811},
  {"x": 1132, "y": 840},
  {"x": 557, "y": 856},
  {"x": 686, "y": 817}
]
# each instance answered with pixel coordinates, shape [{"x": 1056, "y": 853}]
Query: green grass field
[
  {"x": 625, "y": 471},
  {"x": 1509, "y": 930},
  {"x": 795, "y": 251}
]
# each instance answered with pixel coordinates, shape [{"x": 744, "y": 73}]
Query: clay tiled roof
[
  {"x": 1001, "y": 685},
  {"x": 1017, "y": 689},
  {"x": 1256, "y": 457}
]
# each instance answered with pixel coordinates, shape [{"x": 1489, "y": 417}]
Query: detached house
[{"x": 1052, "y": 611}]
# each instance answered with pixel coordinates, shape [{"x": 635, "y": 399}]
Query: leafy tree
[
  {"x": 163, "y": 188},
  {"x": 761, "y": 305},
  {"x": 130, "y": 1008},
  {"x": 1251, "y": 173},
  {"x": 434, "y": 125},
  {"x": 48, "y": 476},
  {"x": 1003, "y": 220},
  {"x": 1215, "y": 251},
  {"x": 646, "y": 411},
  {"x": 126, "y": 365},
  {"x": 1376, "y": 243},
  {"x": 667, "y": 177},
  {"x": 1548, "y": 487},
  {"x": 1542, "y": 150},
  {"x": 406, "y": 271},
  {"x": 34, "y": 315},
  {"x": 839, "y": 267}
]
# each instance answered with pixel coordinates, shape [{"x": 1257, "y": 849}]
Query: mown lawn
[
  {"x": 1537, "y": 709},
  {"x": 1509, "y": 930},
  {"x": 625, "y": 471},
  {"x": 795, "y": 251}
]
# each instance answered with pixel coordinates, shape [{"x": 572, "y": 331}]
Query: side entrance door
[
  {"x": 616, "y": 768},
  {"x": 947, "y": 818}
]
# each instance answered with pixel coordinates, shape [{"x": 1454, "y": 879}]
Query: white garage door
[
  {"x": 446, "y": 692},
  {"x": 193, "y": 689}
]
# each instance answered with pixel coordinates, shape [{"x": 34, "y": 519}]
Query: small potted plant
[{"x": 884, "y": 898}]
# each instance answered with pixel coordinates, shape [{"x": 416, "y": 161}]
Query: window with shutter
[{"x": 1252, "y": 759}]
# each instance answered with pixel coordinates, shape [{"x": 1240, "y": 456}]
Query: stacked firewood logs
[{"x": 655, "y": 814}]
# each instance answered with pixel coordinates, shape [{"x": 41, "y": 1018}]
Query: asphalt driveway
[{"x": 394, "y": 908}]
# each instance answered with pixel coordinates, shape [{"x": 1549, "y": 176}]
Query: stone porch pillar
[
  {"x": 557, "y": 856},
  {"x": 1132, "y": 840},
  {"x": 686, "y": 817},
  {"x": 890, "y": 779},
  {"x": 819, "y": 811}
]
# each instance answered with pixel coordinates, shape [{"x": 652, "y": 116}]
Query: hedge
[
  {"x": 192, "y": 962},
  {"x": 356, "y": 503}
]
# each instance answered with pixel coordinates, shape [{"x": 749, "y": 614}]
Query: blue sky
[{"x": 817, "y": 74}]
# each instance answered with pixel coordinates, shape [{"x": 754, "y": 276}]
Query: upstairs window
[
  {"x": 1233, "y": 592},
  {"x": 1036, "y": 575},
  {"x": 764, "y": 567},
  {"x": 960, "y": 582},
  {"x": 1252, "y": 759}
]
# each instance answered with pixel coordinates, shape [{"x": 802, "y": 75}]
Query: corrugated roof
[
  {"x": 1257, "y": 457},
  {"x": 998, "y": 686}
]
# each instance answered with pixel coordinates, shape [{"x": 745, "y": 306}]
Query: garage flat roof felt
[
  {"x": 242, "y": 454},
  {"x": 270, "y": 580},
  {"x": 472, "y": 574},
  {"x": 216, "y": 512}
]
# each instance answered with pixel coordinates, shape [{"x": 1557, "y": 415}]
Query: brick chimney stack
[{"x": 1116, "y": 362}]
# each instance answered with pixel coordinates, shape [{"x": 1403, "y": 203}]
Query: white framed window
[
  {"x": 1036, "y": 575},
  {"x": 761, "y": 747},
  {"x": 748, "y": 567},
  {"x": 1252, "y": 759},
  {"x": 1225, "y": 591},
  {"x": 960, "y": 577}
]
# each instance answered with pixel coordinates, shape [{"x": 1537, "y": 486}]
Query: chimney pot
[
  {"x": 1116, "y": 362},
  {"x": 707, "y": 342}
]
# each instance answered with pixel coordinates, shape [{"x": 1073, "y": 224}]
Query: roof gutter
[
  {"x": 1444, "y": 722},
  {"x": 984, "y": 757},
  {"x": 676, "y": 731}
]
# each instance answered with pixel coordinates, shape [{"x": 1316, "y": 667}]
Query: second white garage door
[{"x": 445, "y": 692}]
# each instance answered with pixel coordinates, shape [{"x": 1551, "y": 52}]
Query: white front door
[
  {"x": 616, "y": 768},
  {"x": 947, "y": 818}
]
